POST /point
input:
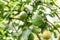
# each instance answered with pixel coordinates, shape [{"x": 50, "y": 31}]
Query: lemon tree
[{"x": 29, "y": 19}]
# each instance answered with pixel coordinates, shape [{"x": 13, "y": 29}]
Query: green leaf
[
  {"x": 1, "y": 4},
  {"x": 52, "y": 15}
]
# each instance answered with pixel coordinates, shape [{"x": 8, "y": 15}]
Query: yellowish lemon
[{"x": 46, "y": 34}]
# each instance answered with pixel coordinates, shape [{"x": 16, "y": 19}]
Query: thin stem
[
  {"x": 38, "y": 37},
  {"x": 54, "y": 26},
  {"x": 57, "y": 16},
  {"x": 14, "y": 28},
  {"x": 55, "y": 4}
]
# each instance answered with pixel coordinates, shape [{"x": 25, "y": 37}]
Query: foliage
[{"x": 21, "y": 19}]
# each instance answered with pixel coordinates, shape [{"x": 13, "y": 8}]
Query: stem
[
  {"x": 55, "y": 4},
  {"x": 59, "y": 38},
  {"x": 46, "y": 39},
  {"x": 57, "y": 16},
  {"x": 14, "y": 18},
  {"x": 38, "y": 37},
  {"x": 54, "y": 26},
  {"x": 14, "y": 28}
]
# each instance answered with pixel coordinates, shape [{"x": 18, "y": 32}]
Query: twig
[
  {"x": 57, "y": 16},
  {"x": 38, "y": 37},
  {"x": 58, "y": 7},
  {"x": 14, "y": 28},
  {"x": 55, "y": 4},
  {"x": 54, "y": 26}
]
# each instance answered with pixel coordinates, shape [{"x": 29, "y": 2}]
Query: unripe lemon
[
  {"x": 36, "y": 20},
  {"x": 36, "y": 30},
  {"x": 23, "y": 15},
  {"x": 46, "y": 34}
]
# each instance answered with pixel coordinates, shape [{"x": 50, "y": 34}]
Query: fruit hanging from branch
[{"x": 46, "y": 34}]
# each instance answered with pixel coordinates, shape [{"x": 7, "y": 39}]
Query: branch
[
  {"x": 56, "y": 15},
  {"x": 14, "y": 18},
  {"x": 55, "y": 4},
  {"x": 53, "y": 10},
  {"x": 58, "y": 7},
  {"x": 54, "y": 26},
  {"x": 38, "y": 37},
  {"x": 14, "y": 28}
]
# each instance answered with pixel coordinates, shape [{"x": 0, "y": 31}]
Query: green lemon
[
  {"x": 36, "y": 20},
  {"x": 23, "y": 15},
  {"x": 36, "y": 30}
]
